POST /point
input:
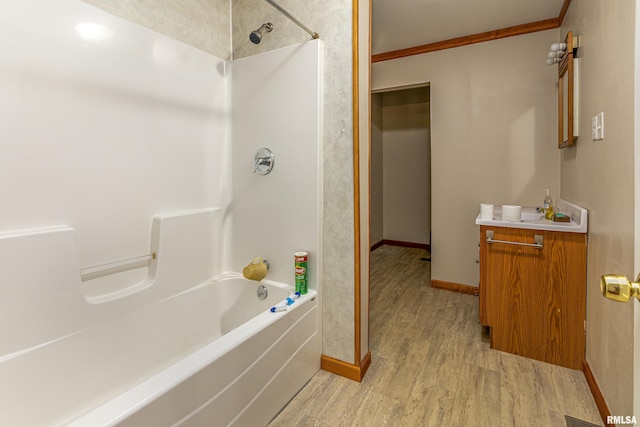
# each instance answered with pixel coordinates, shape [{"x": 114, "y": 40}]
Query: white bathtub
[{"x": 213, "y": 355}]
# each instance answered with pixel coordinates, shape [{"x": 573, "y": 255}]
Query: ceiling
[{"x": 400, "y": 24}]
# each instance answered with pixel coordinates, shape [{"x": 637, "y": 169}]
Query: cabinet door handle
[{"x": 537, "y": 239}]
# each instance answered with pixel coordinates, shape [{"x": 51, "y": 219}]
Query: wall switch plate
[{"x": 597, "y": 127}]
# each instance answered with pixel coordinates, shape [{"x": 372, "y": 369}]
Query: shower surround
[
  {"x": 107, "y": 125},
  {"x": 205, "y": 25}
]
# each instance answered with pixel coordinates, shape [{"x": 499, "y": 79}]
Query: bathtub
[{"x": 211, "y": 355}]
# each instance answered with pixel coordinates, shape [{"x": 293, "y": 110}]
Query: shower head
[{"x": 256, "y": 36}]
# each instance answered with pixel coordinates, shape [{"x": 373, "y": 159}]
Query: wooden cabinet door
[
  {"x": 566, "y": 270},
  {"x": 534, "y": 298},
  {"x": 516, "y": 293}
]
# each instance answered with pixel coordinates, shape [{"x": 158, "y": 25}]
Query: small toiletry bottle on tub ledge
[{"x": 301, "y": 261}]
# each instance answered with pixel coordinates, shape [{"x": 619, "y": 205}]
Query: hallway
[{"x": 430, "y": 366}]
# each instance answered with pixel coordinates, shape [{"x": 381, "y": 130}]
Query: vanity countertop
[{"x": 531, "y": 219}]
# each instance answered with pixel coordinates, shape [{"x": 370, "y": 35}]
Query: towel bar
[
  {"x": 115, "y": 267},
  {"x": 537, "y": 238}
]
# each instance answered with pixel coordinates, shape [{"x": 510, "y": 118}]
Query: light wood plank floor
[{"x": 430, "y": 366}]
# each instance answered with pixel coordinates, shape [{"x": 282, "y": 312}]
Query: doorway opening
[{"x": 400, "y": 188}]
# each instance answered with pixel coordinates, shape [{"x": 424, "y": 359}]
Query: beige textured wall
[
  {"x": 203, "y": 24},
  {"x": 493, "y": 136},
  {"x": 363, "y": 13},
  {"x": 332, "y": 19},
  {"x": 599, "y": 176},
  {"x": 377, "y": 195}
]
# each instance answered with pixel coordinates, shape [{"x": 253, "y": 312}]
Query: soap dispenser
[{"x": 548, "y": 205}]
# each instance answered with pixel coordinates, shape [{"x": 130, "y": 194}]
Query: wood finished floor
[{"x": 430, "y": 366}]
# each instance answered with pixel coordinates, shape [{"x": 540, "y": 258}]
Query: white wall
[
  {"x": 333, "y": 20},
  {"x": 113, "y": 132},
  {"x": 277, "y": 103},
  {"x": 493, "y": 136},
  {"x": 103, "y": 134}
]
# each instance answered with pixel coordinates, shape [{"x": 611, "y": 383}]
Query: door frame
[{"x": 636, "y": 142}]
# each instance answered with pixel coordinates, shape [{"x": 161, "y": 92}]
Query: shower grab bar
[
  {"x": 295, "y": 21},
  {"x": 116, "y": 266},
  {"x": 538, "y": 239}
]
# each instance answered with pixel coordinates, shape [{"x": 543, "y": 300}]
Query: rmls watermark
[{"x": 621, "y": 419}]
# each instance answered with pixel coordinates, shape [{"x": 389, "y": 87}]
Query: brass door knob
[{"x": 617, "y": 287}]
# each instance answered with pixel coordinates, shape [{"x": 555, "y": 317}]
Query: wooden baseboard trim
[
  {"x": 377, "y": 245},
  {"x": 456, "y": 287},
  {"x": 597, "y": 394},
  {"x": 364, "y": 364},
  {"x": 347, "y": 370},
  {"x": 401, "y": 243}
]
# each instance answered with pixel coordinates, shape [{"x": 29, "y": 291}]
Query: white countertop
[{"x": 532, "y": 220}]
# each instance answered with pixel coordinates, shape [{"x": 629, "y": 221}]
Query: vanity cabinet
[{"x": 533, "y": 296}]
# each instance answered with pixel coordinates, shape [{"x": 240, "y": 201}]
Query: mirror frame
[{"x": 566, "y": 88}]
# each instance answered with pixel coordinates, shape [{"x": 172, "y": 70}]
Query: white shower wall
[
  {"x": 103, "y": 124},
  {"x": 276, "y": 98}
]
